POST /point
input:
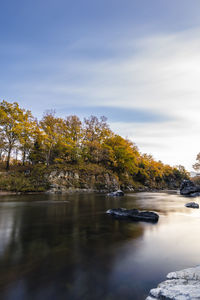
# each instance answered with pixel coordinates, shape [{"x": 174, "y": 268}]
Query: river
[{"x": 56, "y": 247}]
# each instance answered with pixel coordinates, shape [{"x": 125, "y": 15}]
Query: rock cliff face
[
  {"x": 180, "y": 285},
  {"x": 75, "y": 181}
]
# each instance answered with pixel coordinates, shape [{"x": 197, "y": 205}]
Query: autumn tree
[
  {"x": 150, "y": 171},
  {"x": 96, "y": 131},
  {"x": 196, "y": 166},
  {"x": 123, "y": 154},
  {"x": 72, "y": 138},
  {"x": 11, "y": 119},
  {"x": 2, "y": 145},
  {"x": 52, "y": 128},
  {"x": 180, "y": 173},
  {"x": 74, "y": 128},
  {"x": 37, "y": 154},
  {"x": 27, "y": 132},
  {"x": 70, "y": 141}
]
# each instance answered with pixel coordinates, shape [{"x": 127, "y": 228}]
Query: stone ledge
[{"x": 180, "y": 285}]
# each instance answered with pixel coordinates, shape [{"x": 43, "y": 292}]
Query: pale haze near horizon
[{"x": 136, "y": 62}]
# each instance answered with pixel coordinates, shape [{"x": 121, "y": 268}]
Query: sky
[{"x": 137, "y": 62}]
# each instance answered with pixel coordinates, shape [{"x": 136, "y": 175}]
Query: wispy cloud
[
  {"x": 116, "y": 114},
  {"x": 150, "y": 86}
]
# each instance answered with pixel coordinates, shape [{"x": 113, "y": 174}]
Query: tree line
[{"x": 53, "y": 140}]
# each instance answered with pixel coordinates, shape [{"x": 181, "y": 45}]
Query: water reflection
[{"x": 66, "y": 247}]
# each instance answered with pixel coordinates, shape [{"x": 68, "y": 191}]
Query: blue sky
[{"x": 136, "y": 62}]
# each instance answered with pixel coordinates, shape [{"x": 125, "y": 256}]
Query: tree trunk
[
  {"x": 48, "y": 157},
  {"x": 16, "y": 153},
  {"x": 8, "y": 158},
  {"x": 24, "y": 157}
]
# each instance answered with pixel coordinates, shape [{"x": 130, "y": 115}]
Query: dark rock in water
[
  {"x": 192, "y": 205},
  {"x": 197, "y": 194},
  {"x": 116, "y": 193},
  {"x": 134, "y": 214},
  {"x": 188, "y": 188}
]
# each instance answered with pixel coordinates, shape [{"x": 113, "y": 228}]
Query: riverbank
[
  {"x": 85, "y": 191},
  {"x": 3, "y": 193},
  {"x": 75, "y": 178}
]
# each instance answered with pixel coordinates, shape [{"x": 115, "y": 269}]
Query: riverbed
[{"x": 67, "y": 247}]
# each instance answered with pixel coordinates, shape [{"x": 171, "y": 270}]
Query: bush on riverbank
[{"x": 30, "y": 180}]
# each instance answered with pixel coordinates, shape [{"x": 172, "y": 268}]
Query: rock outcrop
[
  {"x": 188, "y": 188},
  {"x": 180, "y": 285},
  {"x": 192, "y": 205},
  {"x": 134, "y": 214},
  {"x": 67, "y": 181}
]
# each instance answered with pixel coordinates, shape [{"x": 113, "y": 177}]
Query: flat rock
[
  {"x": 134, "y": 214},
  {"x": 192, "y": 205},
  {"x": 180, "y": 285}
]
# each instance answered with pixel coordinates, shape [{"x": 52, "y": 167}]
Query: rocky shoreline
[
  {"x": 78, "y": 190},
  {"x": 61, "y": 183},
  {"x": 180, "y": 285}
]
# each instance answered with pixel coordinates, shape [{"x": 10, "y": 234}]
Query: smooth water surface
[{"x": 65, "y": 246}]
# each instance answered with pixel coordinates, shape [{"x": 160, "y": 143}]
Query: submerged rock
[
  {"x": 116, "y": 193},
  {"x": 180, "y": 285},
  {"x": 134, "y": 214},
  {"x": 192, "y": 205},
  {"x": 188, "y": 188}
]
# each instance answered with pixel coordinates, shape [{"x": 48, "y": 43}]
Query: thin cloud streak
[
  {"x": 161, "y": 76},
  {"x": 114, "y": 114}
]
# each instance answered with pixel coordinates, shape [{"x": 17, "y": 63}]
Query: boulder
[
  {"x": 116, "y": 193},
  {"x": 197, "y": 194},
  {"x": 134, "y": 214},
  {"x": 188, "y": 188},
  {"x": 180, "y": 285},
  {"x": 192, "y": 205}
]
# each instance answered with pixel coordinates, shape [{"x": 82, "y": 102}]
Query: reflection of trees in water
[
  {"x": 64, "y": 249},
  {"x": 7, "y": 228}
]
